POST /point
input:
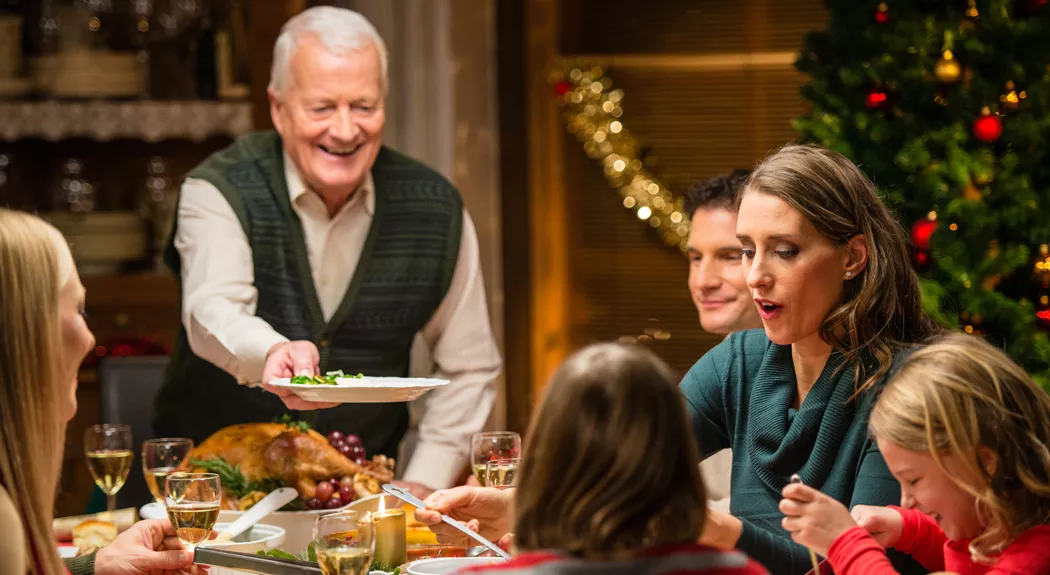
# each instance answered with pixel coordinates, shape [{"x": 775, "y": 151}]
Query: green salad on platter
[{"x": 328, "y": 378}]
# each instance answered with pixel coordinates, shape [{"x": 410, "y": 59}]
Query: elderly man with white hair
[{"x": 313, "y": 247}]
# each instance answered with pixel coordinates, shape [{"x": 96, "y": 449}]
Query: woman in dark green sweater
[{"x": 829, "y": 270}]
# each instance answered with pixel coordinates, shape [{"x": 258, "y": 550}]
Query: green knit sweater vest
[{"x": 403, "y": 274}]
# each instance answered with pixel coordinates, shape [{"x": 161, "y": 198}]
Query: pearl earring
[{"x": 849, "y": 274}]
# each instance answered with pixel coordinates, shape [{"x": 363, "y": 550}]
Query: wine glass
[
  {"x": 193, "y": 505},
  {"x": 344, "y": 543},
  {"x": 160, "y": 458},
  {"x": 109, "y": 457},
  {"x": 501, "y": 472},
  {"x": 489, "y": 445}
]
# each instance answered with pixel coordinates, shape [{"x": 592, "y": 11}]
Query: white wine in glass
[
  {"x": 491, "y": 445},
  {"x": 109, "y": 456},
  {"x": 343, "y": 545},
  {"x": 193, "y": 505},
  {"x": 160, "y": 458},
  {"x": 500, "y": 473}
]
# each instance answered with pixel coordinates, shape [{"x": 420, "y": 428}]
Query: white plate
[
  {"x": 363, "y": 390},
  {"x": 449, "y": 565},
  {"x": 67, "y": 551},
  {"x": 258, "y": 537}
]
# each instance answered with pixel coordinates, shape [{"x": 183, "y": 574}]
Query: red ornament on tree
[
  {"x": 882, "y": 15},
  {"x": 562, "y": 87},
  {"x": 1043, "y": 316},
  {"x": 988, "y": 127},
  {"x": 876, "y": 99},
  {"x": 921, "y": 231}
]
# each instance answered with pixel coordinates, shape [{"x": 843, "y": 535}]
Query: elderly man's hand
[
  {"x": 289, "y": 359},
  {"x": 485, "y": 510}
]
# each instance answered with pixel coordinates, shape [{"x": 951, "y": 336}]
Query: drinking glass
[
  {"x": 193, "y": 505},
  {"x": 344, "y": 543},
  {"x": 490, "y": 445},
  {"x": 160, "y": 458},
  {"x": 501, "y": 472},
  {"x": 109, "y": 456}
]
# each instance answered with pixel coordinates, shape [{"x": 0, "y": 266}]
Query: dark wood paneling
[
  {"x": 685, "y": 26},
  {"x": 514, "y": 184}
]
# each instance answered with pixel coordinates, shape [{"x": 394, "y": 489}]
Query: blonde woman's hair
[
  {"x": 961, "y": 396},
  {"x": 610, "y": 464},
  {"x": 880, "y": 312},
  {"x": 31, "y": 429}
]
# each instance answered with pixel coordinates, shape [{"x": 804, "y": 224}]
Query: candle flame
[{"x": 382, "y": 504}]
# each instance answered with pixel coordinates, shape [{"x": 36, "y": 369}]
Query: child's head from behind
[
  {"x": 610, "y": 463},
  {"x": 966, "y": 432}
]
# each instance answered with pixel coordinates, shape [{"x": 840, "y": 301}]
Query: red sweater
[
  {"x": 674, "y": 560},
  {"x": 856, "y": 552}
]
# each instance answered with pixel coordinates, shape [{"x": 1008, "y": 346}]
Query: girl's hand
[
  {"x": 883, "y": 523},
  {"x": 814, "y": 519}
]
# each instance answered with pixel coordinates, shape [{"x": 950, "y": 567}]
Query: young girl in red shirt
[{"x": 967, "y": 434}]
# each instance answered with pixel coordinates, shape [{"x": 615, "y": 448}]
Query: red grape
[
  {"x": 324, "y": 491},
  {"x": 360, "y": 461},
  {"x": 346, "y": 481},
  {"x": 333, "y": 503},
  {"x": 335, "y": 436},
  {"x": 352, "y": 439},
  {"x": 314, "y": 503},
  {"x": 357, "y": 451},
  {"x": 346, "y": 493},
  {"x": 339, "y": 444},
  {"x": 347, "y": 451},
  {"x": 334, "y": 481}
]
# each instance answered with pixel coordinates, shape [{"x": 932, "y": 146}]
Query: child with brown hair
[
  {"x": 966, "y": 432},
  {"x": 609, "y": 481}
]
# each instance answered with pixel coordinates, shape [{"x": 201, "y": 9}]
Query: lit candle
[{"x": 390, "y": 535}]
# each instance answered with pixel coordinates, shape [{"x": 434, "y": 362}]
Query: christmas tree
[{"x": 946, "y": 105}]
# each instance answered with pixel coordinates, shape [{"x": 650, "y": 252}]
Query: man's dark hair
[{"x": 717, "y": 192}]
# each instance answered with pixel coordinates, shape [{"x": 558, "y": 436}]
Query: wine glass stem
[{"x": 111, "y": 503}]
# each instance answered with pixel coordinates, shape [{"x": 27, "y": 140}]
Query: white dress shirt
[{"x": 219, "y": 302}]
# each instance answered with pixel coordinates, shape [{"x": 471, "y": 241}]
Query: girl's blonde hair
[
  {"x": 610, "y": 463},
  {"x": 32, "y": 266},
  {"x": 960, "y": 396},
  {"x": 881, "y": 309}
]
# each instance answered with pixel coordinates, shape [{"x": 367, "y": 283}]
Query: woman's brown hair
[
  {"x": 881, "y": 309},
  {"x": 962, "y": 396},
  {"x": 610, "y": 463},
  {"x": 31, "y": 429}
]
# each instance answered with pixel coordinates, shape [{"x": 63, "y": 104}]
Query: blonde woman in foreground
[
  {"x": 43, "y": 338},
  {"x": 967, "y": 434}
]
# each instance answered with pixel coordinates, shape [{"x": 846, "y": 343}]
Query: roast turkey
[{"x": 296, "y": 458}]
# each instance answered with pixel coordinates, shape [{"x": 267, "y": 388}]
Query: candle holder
[{"x": 389, "y": 528}]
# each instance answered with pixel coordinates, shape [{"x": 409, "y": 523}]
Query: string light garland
[{"x": 592, "y": 110}]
